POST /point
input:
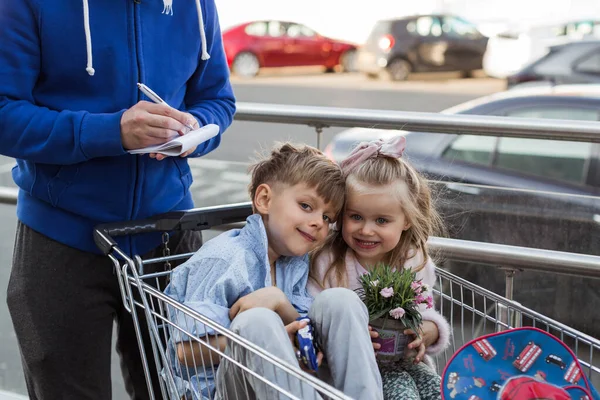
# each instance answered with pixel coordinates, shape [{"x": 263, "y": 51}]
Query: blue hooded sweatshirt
[{"x": 68, "y": 72}]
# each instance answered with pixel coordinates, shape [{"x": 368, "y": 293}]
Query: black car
[
  {"x": 424, "y": 43},
  {"x": 556, "y": 360},
  {"x": 523, "y": 192},
  {"x": 571, "y": 63}
]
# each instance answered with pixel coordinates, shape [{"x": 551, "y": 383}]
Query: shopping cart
[
  {"x": 153, "y": 314},
  {"x": 471, "y": 310}
]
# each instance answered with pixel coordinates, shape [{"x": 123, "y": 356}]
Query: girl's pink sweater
[{"x": 354, "y": 270}]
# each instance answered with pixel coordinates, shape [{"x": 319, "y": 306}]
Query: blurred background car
[
  {"x": 424, "y": 43},
  {"x": 571, "y": 63},
  {"x": 510, "y": 51},
  {"x": 516, "y": 191},
  {"x": 259, "y": 44}
]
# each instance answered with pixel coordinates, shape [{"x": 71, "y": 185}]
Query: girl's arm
[
  {"x": 318, "y": 269},
  {"x": 428, "y": 276}
]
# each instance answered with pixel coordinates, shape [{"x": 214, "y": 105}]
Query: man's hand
[
  {"x": 148, "y": 124},
  {"x": 374, "y": 335},
  {"x": 194, "y": 125},
  {"x": 269, "y": 297},
  {"x": 428, "y": 334},
  {"x": 292, "y": 329}
]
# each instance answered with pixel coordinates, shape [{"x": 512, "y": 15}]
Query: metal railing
[
  {"x": 324, "y": 117},
  {"x": 508, "y": 257},
  {"x": 8, "y": 195}
]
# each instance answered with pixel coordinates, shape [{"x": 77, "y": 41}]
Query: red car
[{"x": 259, "y": 44}]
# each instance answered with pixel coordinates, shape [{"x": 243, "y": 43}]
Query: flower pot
[{"x": 392, "y": 339}]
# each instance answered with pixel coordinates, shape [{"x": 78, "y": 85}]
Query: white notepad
[{"x": 181, "y": 144}]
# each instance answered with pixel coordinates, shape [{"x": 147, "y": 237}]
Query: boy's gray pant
[{"x": 341, "y": 321}]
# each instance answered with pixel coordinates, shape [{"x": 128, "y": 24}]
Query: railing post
[
  {"x": 319, "y": 130},
  {"x": 509, "y": 274},
  {"x": 508, "y": 316}
]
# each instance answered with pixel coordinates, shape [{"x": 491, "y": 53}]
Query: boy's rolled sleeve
[
  {"x": 187, "y": 325},
  {"x": 208, "y": 286}
]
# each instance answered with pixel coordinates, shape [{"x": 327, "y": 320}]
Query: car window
[
  {"x": 379, "y": 29},
  {"x": 589, "y": 65},
  {"x": 554, "y": 159},
  {"x": 276, "y": 29},
  {"x": 580, "y": 29},
  {"x": 257, "y": 29},
  {"x": 297, "y": 30},
  {"x": 425, "y": 26},
  {"x": 472, "y": 148},
  {"x": 572, "y": 113},
  {"x": 458, "y": 27}
]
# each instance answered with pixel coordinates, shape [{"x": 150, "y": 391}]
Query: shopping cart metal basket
[
  {"x": 153, "y": 314},
  {"x": 471, "y": 310}
]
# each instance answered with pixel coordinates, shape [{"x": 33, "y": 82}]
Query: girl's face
[{"x": 373, "y": 222}]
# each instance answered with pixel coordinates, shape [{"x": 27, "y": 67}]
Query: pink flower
[
  {"x": 397, "y": 313},
  {"x": 429, "y": 302},
  {"x": 416, "y": 286},
  {"x": 420, "y": 299},
  {"x": 387, "y": 292}
]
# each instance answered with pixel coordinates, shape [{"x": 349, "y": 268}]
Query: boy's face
[{"x": 296, "y": 218}]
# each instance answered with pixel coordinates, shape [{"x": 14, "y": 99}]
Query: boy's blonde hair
[
  {"x": 293, "y": 164},
  {"x": 412, "y": 191}
]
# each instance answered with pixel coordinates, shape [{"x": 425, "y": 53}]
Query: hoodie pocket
[
  {"x": 185, "y": 173},
  {"x": 57, "y": 186}
]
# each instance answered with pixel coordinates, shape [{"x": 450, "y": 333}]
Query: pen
[{"x": 156, "y": 98}]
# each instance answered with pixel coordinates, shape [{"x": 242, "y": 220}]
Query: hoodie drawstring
[
  {"x": 205, "y": 55},
  {"x": 88, "y": 38},
  {"x": 167, "y": 9}
]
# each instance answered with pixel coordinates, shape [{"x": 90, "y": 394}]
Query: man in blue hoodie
[{"x": 69, "y": 111}]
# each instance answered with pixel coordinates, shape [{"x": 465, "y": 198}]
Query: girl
[{"x": 388, "y": 217}]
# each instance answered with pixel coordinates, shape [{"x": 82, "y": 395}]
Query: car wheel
[
  {"x": 329, "y": 70},
  {"x": 245, "y": 65},
  {"x": 348, "y": 61},
  {"x": 399, "y": 69}
]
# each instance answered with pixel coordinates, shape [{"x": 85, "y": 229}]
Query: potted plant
[{"x": 393, "y": 298}]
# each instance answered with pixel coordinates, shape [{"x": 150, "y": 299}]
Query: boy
[{"x": 253, "y": 281}]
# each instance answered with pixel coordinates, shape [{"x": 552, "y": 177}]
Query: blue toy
[{"x": 307, "y": 345}]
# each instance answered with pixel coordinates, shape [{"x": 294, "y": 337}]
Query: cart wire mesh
[
  {"x": 197, "y": 376},
  {"x": 473, "y": 311}
]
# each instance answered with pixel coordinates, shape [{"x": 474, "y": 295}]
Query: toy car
[
  {"x": 554, "y": 359},
  {"x": 306, "y": 345},
  {"x": 495, "y": 386}
]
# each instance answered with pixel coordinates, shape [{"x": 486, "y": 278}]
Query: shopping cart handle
[{"x": 194, "y": 219}]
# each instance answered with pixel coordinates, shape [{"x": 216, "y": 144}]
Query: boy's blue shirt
[
  {"x": 63, "y": 125},
  {"x": 226, "y": 268}
]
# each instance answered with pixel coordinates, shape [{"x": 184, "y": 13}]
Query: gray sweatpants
[
  {"x": 341, "y": 321},
  {"x": 63, "y": 303}
]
